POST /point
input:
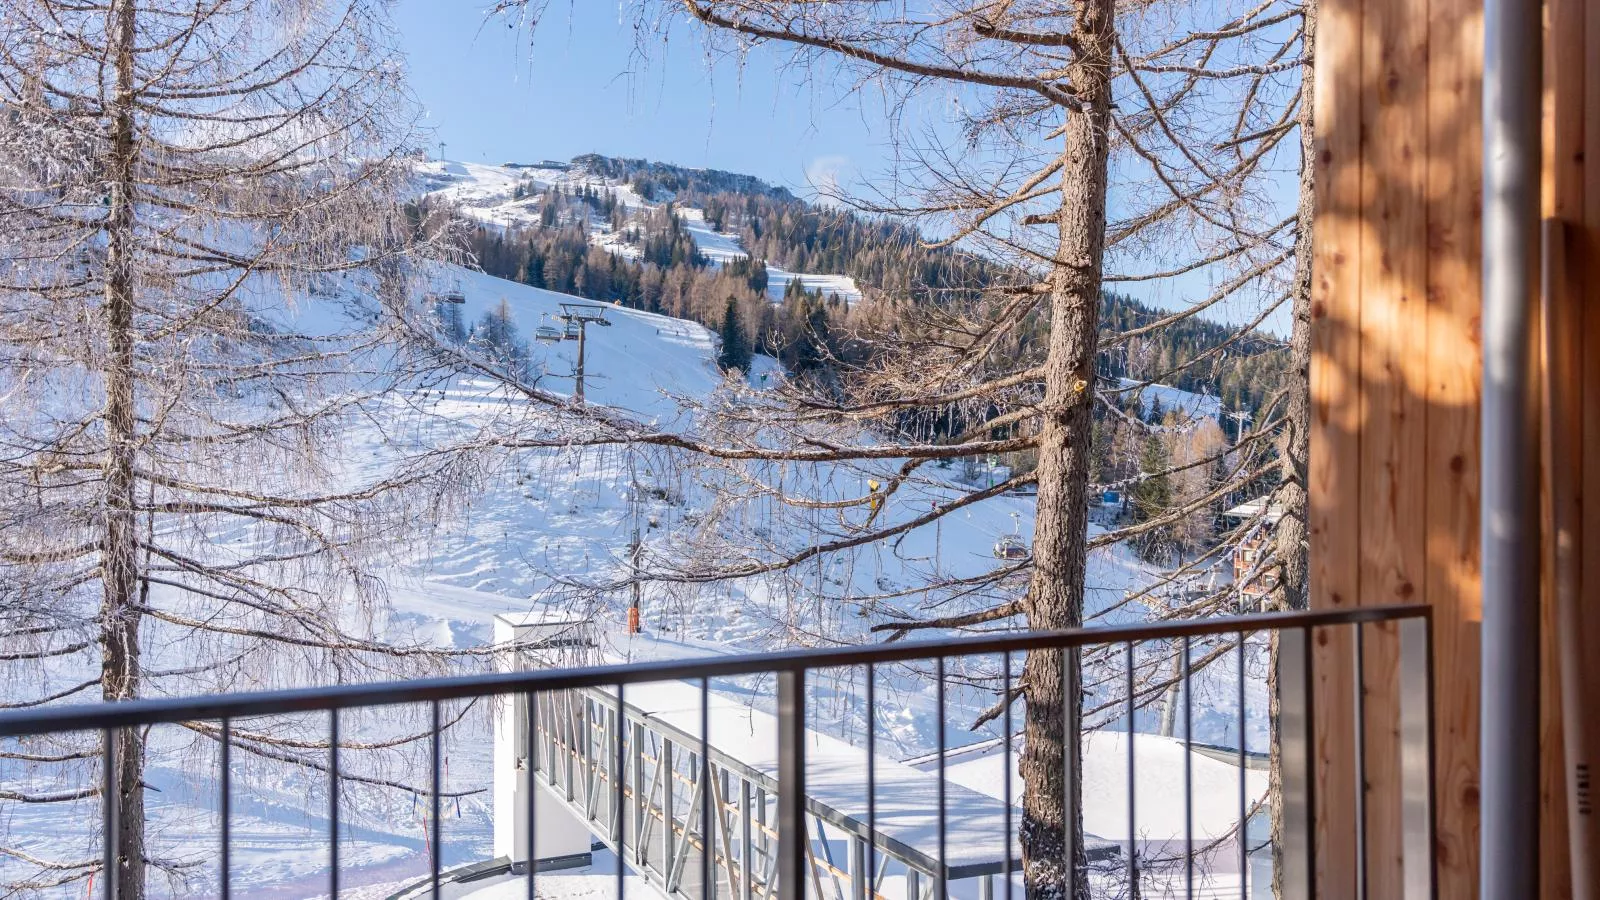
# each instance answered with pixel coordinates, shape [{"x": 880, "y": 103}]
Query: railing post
[
  {"x": 640, "y": 801},
  {"x": 763, "y": 839},
  {"x": 745, "y": 847},
  {"x": 1294, "y": 763},
  {"x": 1416, "y": 758},
  {"x": 793, "y": 836},
  {"x": 860, "y": 878},
  {"x": 666, "y": 811}
]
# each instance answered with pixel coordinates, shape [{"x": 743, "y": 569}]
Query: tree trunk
[
  {"x": 119, "y": 616},
  {"x": 1294, "y": 450},
  {"x": 1052, "y": 810}
]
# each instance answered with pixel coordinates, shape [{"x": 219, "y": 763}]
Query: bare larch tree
[
  {"x": 200, "y": 227},
  {"x": 1186, "y": 111}
]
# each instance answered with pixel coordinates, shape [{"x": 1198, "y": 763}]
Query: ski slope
[
  {"x": 1189, "y": 405},
  {"x": 487, "y": 194},
  {"x": 721, "y": 248}
]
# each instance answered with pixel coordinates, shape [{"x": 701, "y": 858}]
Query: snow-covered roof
[
  {"x": 1250, "y": 509},
  {"x": 1158, "y": 764}
]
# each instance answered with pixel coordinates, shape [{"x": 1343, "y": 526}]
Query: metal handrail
[
  {"x": 159, "y": 711},
  {"x": 790, "y": 866}
]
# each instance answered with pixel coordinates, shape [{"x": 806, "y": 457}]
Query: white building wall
[{"x": 558, "y": 833}]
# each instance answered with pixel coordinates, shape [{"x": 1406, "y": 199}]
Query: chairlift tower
[
  {"x": 1241, "y": 418},
  {"x": 577, "y": 317}
]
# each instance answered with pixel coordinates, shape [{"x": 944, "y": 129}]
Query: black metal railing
[{"x": 778, "y": 859}]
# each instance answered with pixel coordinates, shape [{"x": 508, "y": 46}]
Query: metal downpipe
[{"x": 1510, "y": 473}]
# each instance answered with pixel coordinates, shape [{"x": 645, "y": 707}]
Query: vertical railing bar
[
  {"x": 1291, "y": 855},
  {"x": 531, "y": 704},
  {"x": 1071, "y": 745},
  {"x": 1005, "y": 764},
  {"x": 860, "y": 877},
  {"x": 619, "y": 828},
  {"x": 668, "y": 795},
  {"x": 1361, "y": 763},
  {"x": 641, "y": 792},
  {"x": 1308, "y": 664},
  {"x": 225, "y": 805},
  {"x": 111, "y": 812},
  {"x": 1244, "y": 812},
  {"x": 438, "y": 804},
  {"x": 1133, "y": 818},
  {"x": 943, "y": 879},
  {"x": 708, "y": 814},
  {"x": 1416, "y": 806},
  {"x": 1188, "y": 775},
  {"x": 792, "y": 831},
  {"x": 746, "y": 845},
  {"x": 333, "y": 803},
  {"x": 872, "y": 776},
  {"x": 1433, "y": 800}
]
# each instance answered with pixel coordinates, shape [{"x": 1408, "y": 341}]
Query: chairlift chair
[
  {"x": 547, "y": 333},
  {"x": 1010, "y": 547}
]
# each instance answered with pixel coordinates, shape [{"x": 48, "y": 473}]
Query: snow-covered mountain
[{"x": 507, "y": 196}]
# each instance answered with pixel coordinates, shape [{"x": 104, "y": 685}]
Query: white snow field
[{"x": 1188, "y": 404}]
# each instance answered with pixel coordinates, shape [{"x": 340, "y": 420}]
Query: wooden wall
[
  {"x": 1571, "y": 204},
  {"x": 1395, "y": 398}
]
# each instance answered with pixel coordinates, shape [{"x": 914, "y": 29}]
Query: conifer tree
[
  {"x": 735, "y": 352},
  {"x": 1152, "y": 496}
]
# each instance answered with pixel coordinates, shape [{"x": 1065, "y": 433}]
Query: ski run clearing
[{"x": 488, "y": 194}]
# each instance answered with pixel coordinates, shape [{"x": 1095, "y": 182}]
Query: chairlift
[
  {"x": 453, "y": 296},
  {"x": 547, "y": 333},
  {"x": 1010, "y": 547},
  {"x": 572, "y": 330}
]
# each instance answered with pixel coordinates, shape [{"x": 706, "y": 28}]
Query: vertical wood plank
[
  {"x": 1581, "y": 249},
  {"x": 1563, "y": 473},
  {"x": 1452, "y": 468},
  {"x": 1392, "y": 502},
  {"x": 1336, "y": 417},
  {"x": 1563, "y": 199}
]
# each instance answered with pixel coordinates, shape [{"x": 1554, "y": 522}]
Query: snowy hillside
[
  {"x": 1188, "y": 405},
  {"x": 490, "y": 194},
  {"x": 721, "y": 248}
]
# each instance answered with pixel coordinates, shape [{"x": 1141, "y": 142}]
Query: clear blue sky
[{"x": 494, "y": 93}]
